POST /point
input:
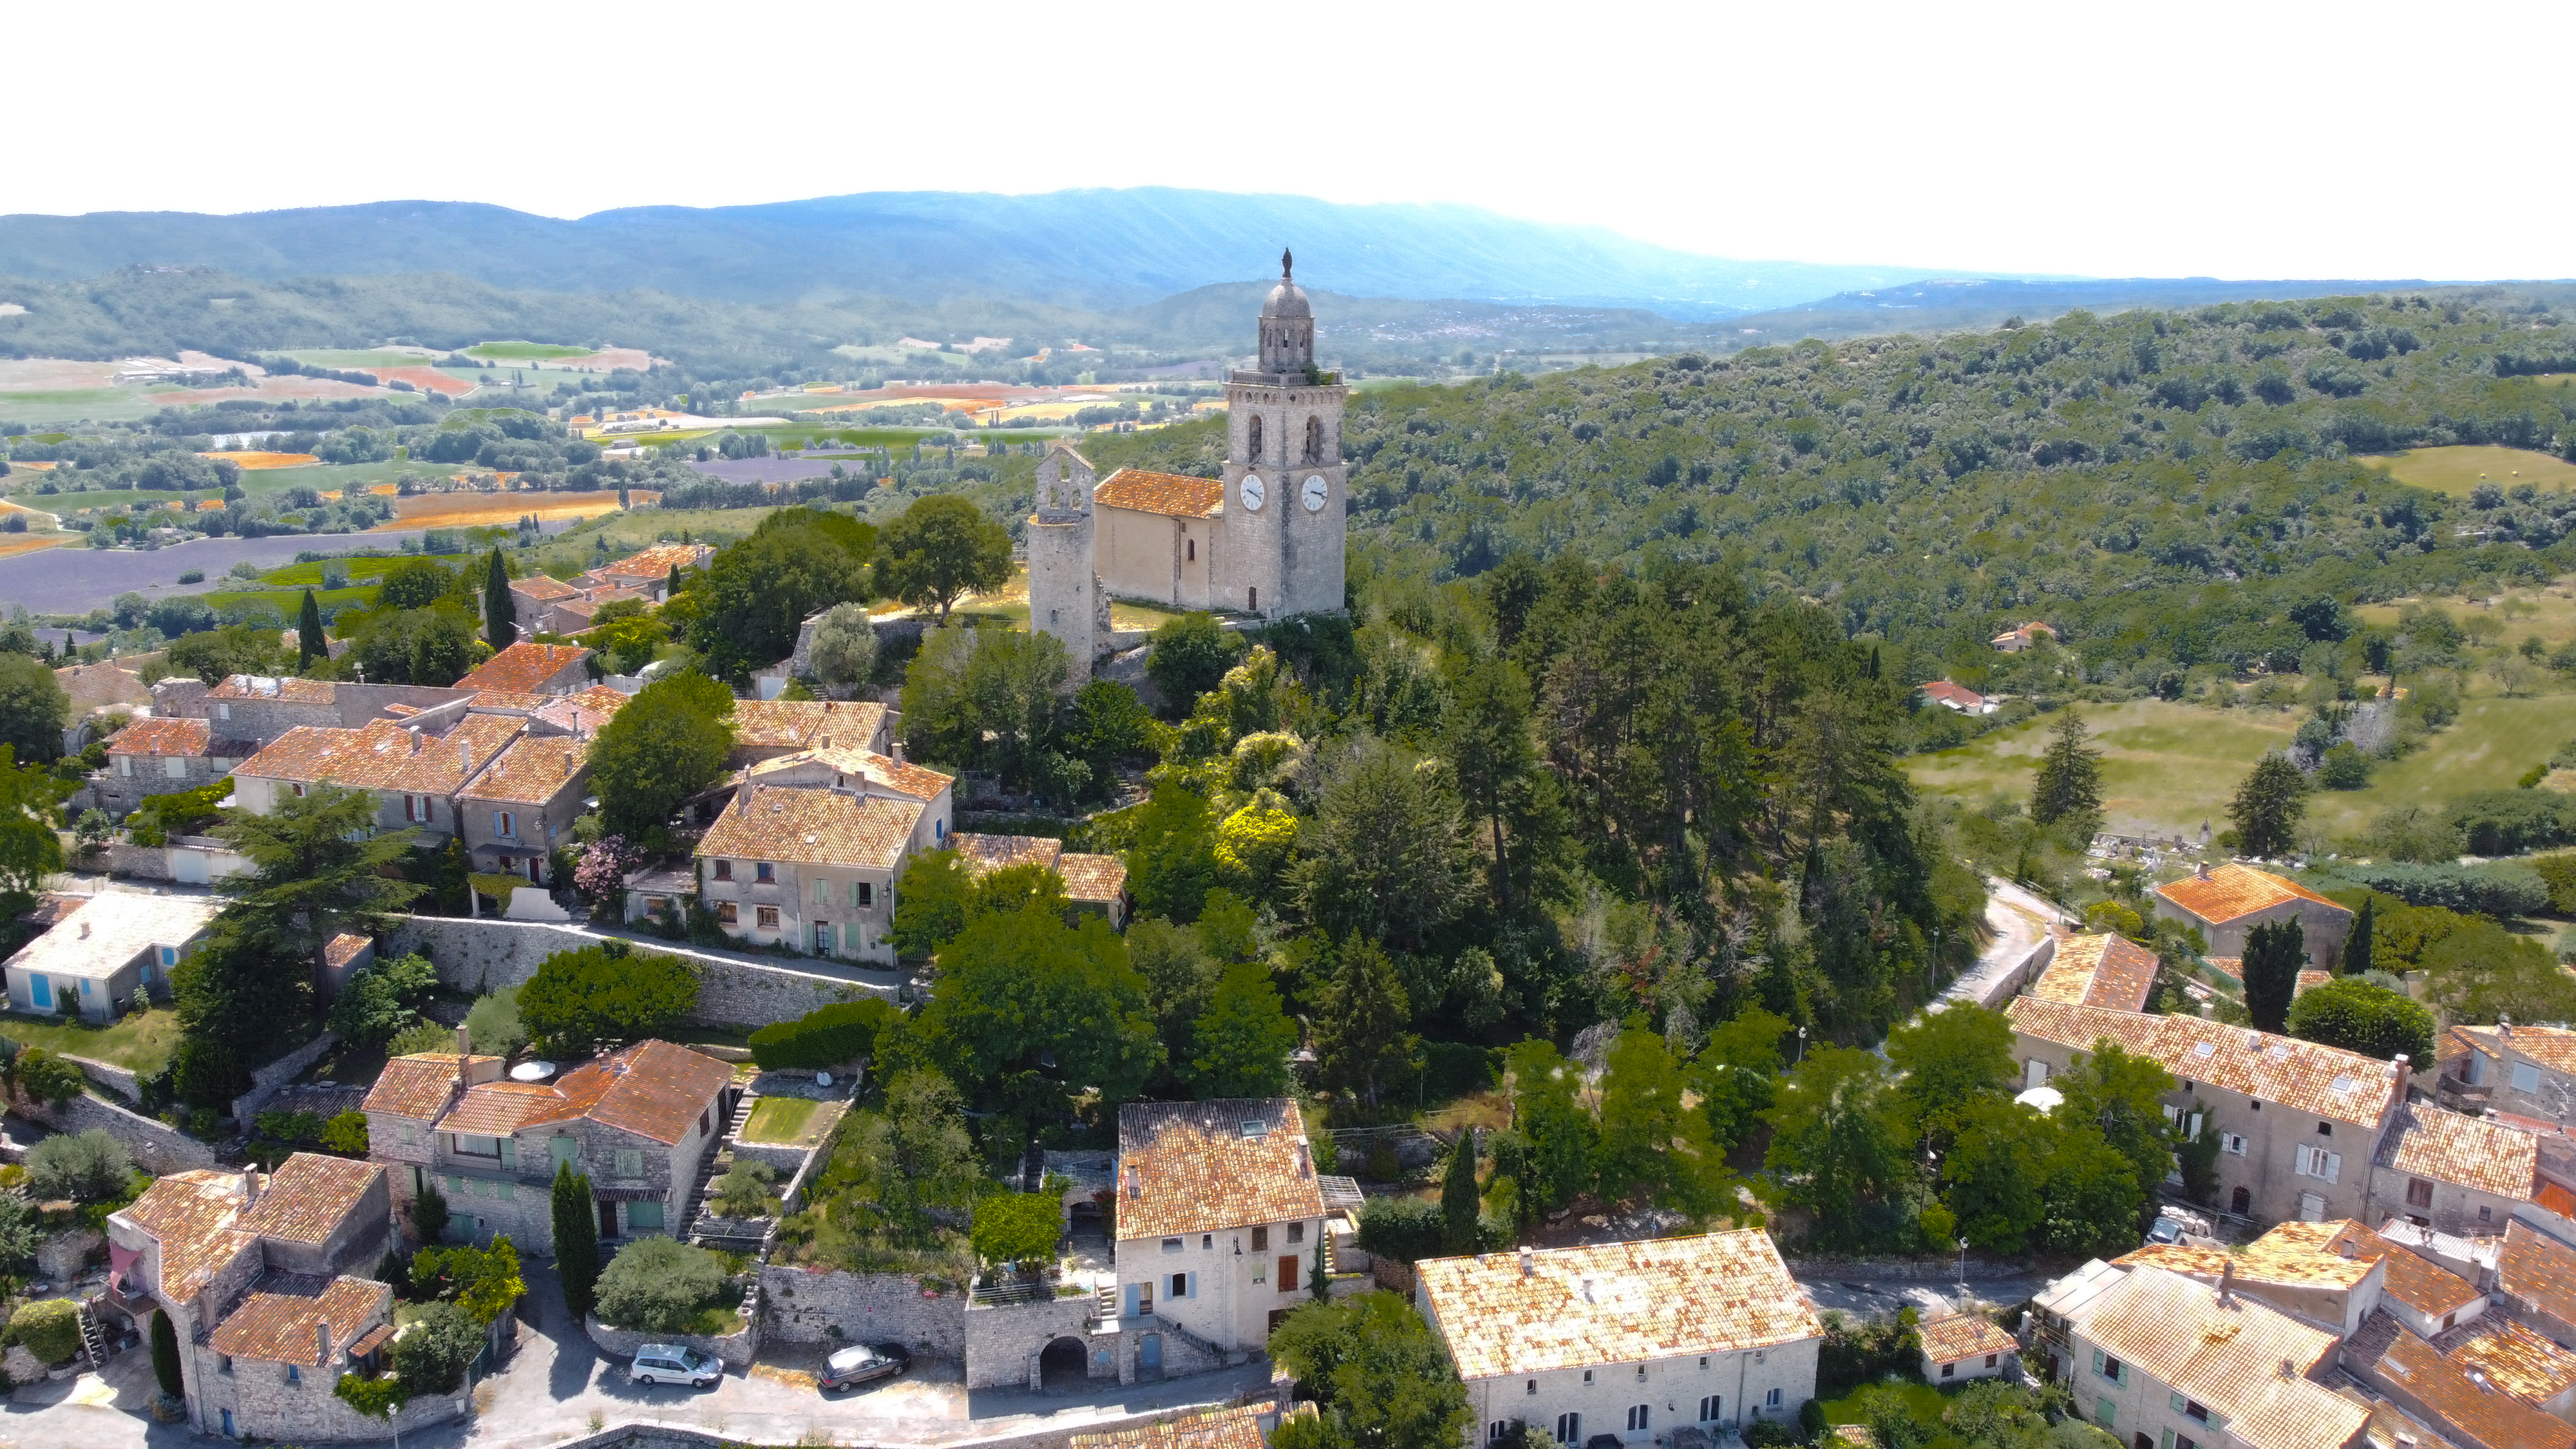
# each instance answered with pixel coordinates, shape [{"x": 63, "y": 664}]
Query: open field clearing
[
  {"x": 365, "y": 359},
  {"x": 427, "y": 379},
  {"x": 13, "y": 544},
  {"x": 483, "y": 510},
  {"x": 526, "y": 351},
  {"x": 2456, "y": 471},
  {"x": 253, "y": 462}
]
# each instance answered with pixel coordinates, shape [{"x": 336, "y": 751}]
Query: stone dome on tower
[{"x": 1287, "y": 299}]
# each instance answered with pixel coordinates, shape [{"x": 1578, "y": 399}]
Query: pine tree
[
  {"x": 500, "y": 616},
  {"x": 310, "y": 644},
  {"x": 1359, "y": 1035},
  {"x": 2068, "y": 785},
  {"x": 2268, "y": 806},
  {"x": 2274, "y": 952},
  {"x": 2356, "y": 946},
  {"x": 1458, "y": 1194},
  {"x": 165, "y": 1358},
  {"x": 576, "y": 1240}
]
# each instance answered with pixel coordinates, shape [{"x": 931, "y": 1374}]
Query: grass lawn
[
  {"x": 1922, "y": 1400},
  {"x": 2457, "y": 470},
  {"x": 371, "y": 357},
  {"x": 526, "y": 351},
  {"x": 141, "y": 1044},
  {"x": 779, "y": 1119},
  {"x": 2165, "y": 767}
]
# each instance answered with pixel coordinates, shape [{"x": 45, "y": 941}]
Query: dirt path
[{"x": 2020, "y": 921}]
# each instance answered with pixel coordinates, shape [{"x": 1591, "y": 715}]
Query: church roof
[{"x": 1170, "y": 494}]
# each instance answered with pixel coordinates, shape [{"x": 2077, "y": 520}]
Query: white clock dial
[
  {"x": 1316, "y": 493},
  {"x": 1254, "y": 494}
]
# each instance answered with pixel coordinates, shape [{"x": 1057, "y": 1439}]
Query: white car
[{"x": 664, "y": 1363}]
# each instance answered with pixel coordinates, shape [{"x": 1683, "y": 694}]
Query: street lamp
[{"x": 1802, "y": 1046}]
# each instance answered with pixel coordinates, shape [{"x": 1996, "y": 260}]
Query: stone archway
[{"x": 1063, "y": 1365}]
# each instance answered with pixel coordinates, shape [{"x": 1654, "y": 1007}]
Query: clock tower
[{"x": 1285, "y": 482}]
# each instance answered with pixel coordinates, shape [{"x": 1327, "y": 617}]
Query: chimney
[
  {"x": 1529, "y": 1263},
  {"x": 2200, "y": 871},
  {"x": 2397, "y": 1068},
  {"x": 84, "y": 930},
  {"x": 898, "y": 752},
  {"x": 464, "y": 1042},
  {"x": 322, "y": 1341},
  {"x": 464, "y": 757},
  {"x": 250, "y": 1188},
  {"x": 2227, "y": 1279},
  {"x": 2504, "y": 1024}
]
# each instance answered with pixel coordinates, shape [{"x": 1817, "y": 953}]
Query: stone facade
[
  {"x": 486, "y": 955},
  {"x": 256, "y": 1398},
  {"x": 265, "y": 1081},
  {"x": 1066, "y": 599},
  {"x": 262, "y": 710},
  {"x": 733, "y": 1350},
  {"x": 803, "y": 1306},
  {"x": 1005, "y": 1344},
  {"x": 156, "y": 1147}
]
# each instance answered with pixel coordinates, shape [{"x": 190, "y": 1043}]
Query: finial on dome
[{"x": 1287, "y": 263}]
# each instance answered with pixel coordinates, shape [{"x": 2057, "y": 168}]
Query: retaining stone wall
[
  {"x": 265, "y": 1081},
  {"x": 108, "y": 1075},
  {"x": 1928, "y": 1270},
  {"x": 1002, "y": 1344},
  {"x": 61, "y": 1256},
  {"x": 157, "y": 1147},
  {"x": 866, "y": 1307},
  {"x": 734, "y": 1349},
  {"x": 486, "y": 955}
]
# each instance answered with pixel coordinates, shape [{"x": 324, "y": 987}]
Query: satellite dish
[
  {"x": 532, "y": 1071},
  {"x": 822, "y": 1079}
]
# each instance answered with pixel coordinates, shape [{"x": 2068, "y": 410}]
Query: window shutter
[
  {"x": 2179, "y": 1405},
  {"x": 2097, "y": 1360},
  {"x": 2299, "y": 1161},
  {"x": 2333, "y": 1165}
]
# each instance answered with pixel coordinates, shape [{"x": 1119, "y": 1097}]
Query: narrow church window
[
  {"x": 1256, "y": 439},
  {"x": 1193, "y": 546},
  {"x": 1314, "y": 440},
  {"x": 1253, "y": 602}
]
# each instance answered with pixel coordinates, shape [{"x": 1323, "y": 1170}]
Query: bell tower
[
  {"x": 1065, "y": 597},
  {"x": 1285, "y": 482}
]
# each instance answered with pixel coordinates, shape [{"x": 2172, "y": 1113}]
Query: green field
[
  {"x": 2457, "y": 471},
  {"x": 88, "y": 404},
  {"x": 364, "y": 358},
  {"x": 142, "y": 1043},
  {"x": 526, "y": 351}
]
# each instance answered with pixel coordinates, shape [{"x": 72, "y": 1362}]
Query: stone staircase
[
  {"x": 93, "y": 1338},
  {"x": 719, "y": 1157}
]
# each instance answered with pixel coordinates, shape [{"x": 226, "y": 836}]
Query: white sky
[{"x": 2174, "y": 138}]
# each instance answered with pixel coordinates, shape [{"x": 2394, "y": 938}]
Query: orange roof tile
[
  {"x": 309, "y": 1195},
  {"x": 1169, "y": 494},
  {"x": 1202, "y": 1167},
  {"x": 2289, "y": 1260},
  {"x": 262, "y": 686},
  {"x": 277, "y": 1322},
  {"x": 982, "y": 853},
  {"x": 2309, "y": 980},
  {"x": 1543, "y": 1310},
  {"x": 2226, "y": 1353},
  {"x": 2414, "y": 1280},
  {"x": 2326, "y": 1081},
  {"x": 2484, "y": 1417},
  {"x": 2553, "y": 1047},
  {"x": 1236, "y": 1428},
  {"x": 533, "y": 770},
  {"x": 2538, "y": 1269},
  {"x": 541, "y": 588},
  {"x": 2233, "y": 891},
  {"x": 192, "y": 1215},
  {"x": 793, "y": 724},
  {"x": 2429, "y": 1141},
  {"x": 162, "y": 737},
  {"x": 343, "y": 948},
  {"x": 2099, "y": 969},
  {"x": 1957, "y": 1337},
  {"x": 652, "y": 1089},
  {"x": 512, "y": 701},
  {"x": 521, "y": 668},
  {"x": 1092, "y": 878},
  {"x": 817, "y": 827},
  {"x": 2513, "y": 1358},
  {"x": 385, "y": 755},
  {"x": 658, "y": 561},
  {"x": 417, "y": 1086}
]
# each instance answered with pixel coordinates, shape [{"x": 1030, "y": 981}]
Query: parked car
[
  {"x": 665, "y": 1363},
  {"x": 861, "y": 1362},
  {"x": 2174, "y": 1225}
]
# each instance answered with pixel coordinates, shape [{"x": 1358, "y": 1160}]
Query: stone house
[
  {"x": 534, "y": 598},
  {"x": 2333, "y": 1275},
  {"x": 648, "y": 571},
  {"x": 404, "y": 1107},
  {"x": 262, "y": 708},
  {"x": 1962, "y": 1346},
  {"x": 2024, "y": 636},
  {"x": 814, "y": 866},
  {"x": 1219, "y": 1219},
  {"x": 414, "y": 773},
  {"x": 97, "y": 958},
  {"x": 2453, "y": 1394},
  {"x": 639, "y": 1123},
  {"x": 2093, "y": 968},
  {"x": 529, "y": 668},
  {"x": 2529, "y": 1071},
  {"x": 1635, "y": 1341},
  {"x": 2453, "y": 1173},
  {"x": 264, "y": 1280},
  {"x": 517, "y": 809},
  {"x": 2228, "y": 901},
  {"x": 2536, "y": 1283},
  {"x": 1097, "y": 884},
  {"x": 766, "y": 729},
  {"x": 162, "y": 757},
  {"x": 2288, "y": 1112}
]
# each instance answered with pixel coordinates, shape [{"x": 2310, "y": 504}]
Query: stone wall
[
  {"x": 867, "y": 1308},
  {"x": 157, "y": 1147},
  {"x": 1002, "y": 1344},
  {"x": 108, "y": 1075},
  {"x": 486, "y": 955},
  {"x": 265, "y": 1081},
  {"x": 61, "y": 1256},
  {"x": 735, "y": 1350}
]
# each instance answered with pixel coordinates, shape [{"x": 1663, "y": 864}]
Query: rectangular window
[
  {"x": 2526, "y": 1077},
  {"x": 863, "y": 894},
  {"x": 174, "y": 767},
  {"x": 764, "y": 873},
  {"x": 506, "y": 823},
  {"x": 1296, "y": 1232},
  {"x": 224, "y": 1364},
  {"x": 1171, "y": 1245},
  {"x": 724, "y": 870},
  {"x": 822, "y": 892},
  {"x": 2419, "y": 1193},
  {"x": 2105, "y": 1365},
  {"x": 1569, "y": 1428},
  {"x": 1287, "y": 1272},
  {"x": 1495, "y": 1431},
  {"x": 1771, "y": 1400},
  {"x": 767, "y": 918},
  {"x": 469, "y": 1145},
  {"x": 643, "y": 1217},
  {"x": 125, "y": 766},
  {"x": 1709, "y": 1406},
  {"x": 1990, "y": 1360},
  {"x": 411, "y": 808},
  {"x": 2233, "y": 1143},
  {"x": 1949, "y": 1369},
  {"x": 509, "y": 1191},
  {"x": 630, "y": 1162},
  {"x": 1261, "y": 1238},
  {"x": 1180, "y": 1285},
  {"x": 727, "y": 914},
  {"x": 1637, "y": 1418}
]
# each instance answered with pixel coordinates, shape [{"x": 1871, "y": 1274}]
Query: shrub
[
  {"x": 89, "y": 1167},
  {"x": 2360, "y": 1017},
  {"x": 429, "y": 1214},
  {"x": 1018, "y": 1227},
  {"x": 2502, "y": 890},
  {"x": 659, "y": 1286},
  {"x": 207, "y": 1074},
  {"x": 824, "y": 1037},
  {"x": 431, "y": 1357},
  {"x": 45, "y": 1077},
  {"x": 494, "y": 1024},
  {"x": 2509, "y": 822},
  {"x": 428, "y": 1036},
  {"x": 744, "y": 1190},
  {"x": 346, "y": 1134},
  {"x": 1406, "y": 1229},
  {"x": 50, "y": 1328},
  {"x": 580, "y": 998},
  {"x": 1455, "y": 1068}
]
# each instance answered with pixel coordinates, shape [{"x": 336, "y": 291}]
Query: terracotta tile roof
[
  {"x": 658, "y": 561},
  {"x": 385, "y": 755},
  {"x": 1538, "y": 1311},
  {"x": 1943, "y": 691},
  {"x": 607, "y": 701},
  {"x": 1203, "y": 1167},
  {"x": 276, "y": 1323},
  {"x": 2310, "y": 979},
  {"x": 263, "y": 686},
  {"x": 343, "y": 949},
  {"x": 2514, "y": 1359},
  {"x": 652, "y": 1089},
  {"x": 2555, "y": 1198},
  {"x": 1094, "y": 878},
  {"x": 306, "y": 1199},
  {"x": 2553, "y": 1047},
  {"x": 983, "y": 853},
  {"x": 2282, "y": 1260},
  {"x": 2538, "y": 1269},
  {"x": 510, "y": 700},
  {"x": 1238, "y": 1428},
  {"x": 2098, "y": 969},
  {"x": 541, "y": 588},
  {"x": 371, "y": 1340},
  {"x": 417, "y": 1086},
  {"x": 1957, "y": 1337},
  {"x": 2428, "y": 1141},
  {"x": 2413, "y": 1279},
  {"x": 162, "y": 737},
  {"x": 2228, "y": 1354},
  {"x": 1169, "y": 494},
  {"x": 2232, "y": 891},
  {"x": 793, "y": 724},
  {"x": 522, "y": 667},
  {"x": 533, "y": 770},
  {"x": 2305, "y": 1076},
  {"x": 192, "y": 1215},
  {"x": 2479, "y": 1416},
  {"x": 814, "y": 827}
]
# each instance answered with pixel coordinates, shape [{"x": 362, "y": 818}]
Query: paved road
[
  {"x": 1881, "y": 1297},
  {"x": 2019, "y": 919}
]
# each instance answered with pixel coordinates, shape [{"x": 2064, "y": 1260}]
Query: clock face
[
  {"x": 1316, "y": 493},
  {"x": 1254, "y": 494}
]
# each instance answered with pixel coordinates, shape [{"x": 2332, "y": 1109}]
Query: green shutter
[
  {"x": 2180, "y": 1404},
  {"x": 2103, "y": 1412}
]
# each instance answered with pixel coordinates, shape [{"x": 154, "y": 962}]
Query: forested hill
[{"x": 2102, "y": 473}]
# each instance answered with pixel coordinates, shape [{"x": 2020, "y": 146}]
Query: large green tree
[
  {"x": 1485, "y": 737},
  {"x": 1240, "y": 1046},
  {"x": 584, "y": 998},
  {"x": 2274, "y": 953},
  {"x": 1187, "y": 657},
  {"x": 33, "y": 708},
  {"x": 2268, "y": 806},
  {"x": 1171, "y": 865},
  {"x": 667, "y": 744},
  {"x": 1360, "y": 1037},
  {"x": 432, "y": 646},
  {"x": 941, "y": 548},
  {"x": 1029, "y": 1012},
  {"x": 1946, "y": 1061},
  {"x": 30, "y": 850},
  {"x": 1835, "y": 1148},
  {"x": 1548, "y": 1111},
  {"x": 1385, "y": 854},
  {"x": 1377, "y": 1374},
  {"x": 2357, "y": 944},
  {"x": 576, "y": 1228},
  {"x": 310, "y": 642},
  {"x": 1737, "y": 1071},
  {"x": 1652, "y": 1145},
  {"x": 500, "y": 611},
  {"x": 754, "y": 594},
  {"x": 2068, "y": 784},
  {"x": 2120, "y": 1095},
  {"x": 2362, "y": 1016}
]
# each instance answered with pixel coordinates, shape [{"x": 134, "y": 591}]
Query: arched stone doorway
[{"x": 1064, "y": 1364}]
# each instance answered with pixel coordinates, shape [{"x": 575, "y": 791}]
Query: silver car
[{"x": 665, "y": 1363}]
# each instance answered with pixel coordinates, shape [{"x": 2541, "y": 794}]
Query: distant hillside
[
  {"x": 1948, "y": 303},
  {"x": 1096, "y": 249}
]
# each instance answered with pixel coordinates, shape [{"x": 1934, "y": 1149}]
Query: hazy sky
[{"x": 2227, "y": 139}]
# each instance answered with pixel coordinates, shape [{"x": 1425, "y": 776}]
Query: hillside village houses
[
  {"x": 540, "y": 604},
  {"x": 1631, "y": 1340},
  {"x": 107, "y": 953},
  {"x": 2225, "y": 902}
]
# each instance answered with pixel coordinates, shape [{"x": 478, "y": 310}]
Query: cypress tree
[
  {"x": 500, "y": 617},
  {"x": 309, "y": 641},
  {"x": 165, "y": 1356},
  {"x": 2356, "y": 947},
  {"x": 576, "y": 1240},
  {"x": 1458, "y": 1194},
  {"x": 2274, "y": 952}
]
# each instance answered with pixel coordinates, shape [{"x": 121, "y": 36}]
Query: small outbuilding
[{"x": 1960, "y": 1346}]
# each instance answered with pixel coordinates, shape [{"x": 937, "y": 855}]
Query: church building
[{"x": 1265, "y": 539}]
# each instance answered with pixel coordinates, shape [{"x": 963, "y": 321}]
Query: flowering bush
[{"x": 604, "y": 866}]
